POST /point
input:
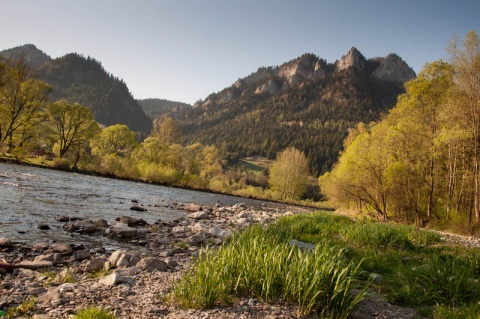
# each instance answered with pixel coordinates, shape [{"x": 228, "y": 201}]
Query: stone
[
  {"x": 193, "y": 208},
  {"x": 123, "y": 230},
  {"x": 81, "y": 255},
  {"x": 5, "y": 242},
  {"x": 130, "y": 221},
  {"x": 95, "y": 264},
  {"x": 198, "y": 215},
  {"x": 61, "y": 248},
  {"x": 138, "y": 208},
  {"x": 34, "y": 265},
  {"x": 150, "y": 264},
  {"x": 219, "y": 232},
  {"x": 200, "y": 228},
  {"x": 81, "y": 226},
  {"x": 42, "y": 226},
  {"x": 115, "y": 279},
  {"x": 301, "y": 245},
  {"x": 115, "y": 256},
  {"x": 101, "y": 223}
]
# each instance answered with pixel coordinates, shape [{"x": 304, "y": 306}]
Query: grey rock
[
  {"x": 115, "y": 279},
  {"x": 193, "y": 208},
  {"x": 81, "y": 255},
  {"x": 301, "y": 245},
  {"x": 198, "y": 215},
  {"x": 150, "y": 264},
  {"x": 95, "y": 264},
  {"x": 61, "y": 248}
]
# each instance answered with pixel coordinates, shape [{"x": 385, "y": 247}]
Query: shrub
[{"x": 94, "y": 313}]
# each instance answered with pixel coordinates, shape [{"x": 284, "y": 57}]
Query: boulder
[
  {"x": 5, "y": 242},
  {"x": 115, "y": 279},
  {"x": 193, "y": 208},
  {"x": 42, "y": 226},
  {"x": 61, "y": 248},
  {"x": 219, "y": 232},
  {"x": 200, "y": 228},
  {"x": 130, "y": 221},
  {"x": 198, "y": 215},
  {"x": 101, "y": 223},
  {"x": 95, "y": 264},
  {"x": 81, "y": 255},
  {"x": 80, "y": 226},
  {"x": 150, "y": 264},
  {"x": 124, "y": 231},
  {"x": 138, "y": 208}
]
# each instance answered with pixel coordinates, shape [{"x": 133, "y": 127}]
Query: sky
[{"x": 184, "y": 50}]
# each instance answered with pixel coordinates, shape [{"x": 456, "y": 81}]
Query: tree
[
  {"x": 465, "y": 58},
  {"x": 289, "y": 174},
  {"x": 72, "y": 125},
  {"x": 211, "y": 162},
  {"x": 166, "y": 130},
  {"x": 117, "y": 139},
  {"x": 22, "y": 103}
]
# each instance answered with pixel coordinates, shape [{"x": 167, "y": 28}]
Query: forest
[{"x": 420, "y": 163}]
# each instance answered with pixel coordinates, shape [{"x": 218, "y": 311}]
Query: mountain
[
  {"x": 155, "y": 108},
  {"x": 84, "y": 80},
  {"x": 306, "y": 103}
]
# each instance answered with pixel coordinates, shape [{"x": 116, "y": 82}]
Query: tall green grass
[{"x": 259, "y": 263}]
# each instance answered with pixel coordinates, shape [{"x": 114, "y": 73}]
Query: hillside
[
  {"x": 84, "y": 80},
  {"x": 306, "y": 103},
  {"x": 155, "y": 108}
]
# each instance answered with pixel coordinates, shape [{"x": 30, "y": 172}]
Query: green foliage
[
  {"x": 467, "y": 311},
  {"x": 417, "y": 269},
  {"x": 25, "y": 308},
  {"x": 93, "y": 313},
  {"x": 421, "y": 162},
  {"x": 260, "y": 264},
  {"x": 289, "y": 174}
]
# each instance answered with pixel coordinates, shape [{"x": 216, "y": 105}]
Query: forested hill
[
  {"x": 155, "y": 108},
  {"x": 84, "y": 80},
  {"x": 306, "y": 103}
]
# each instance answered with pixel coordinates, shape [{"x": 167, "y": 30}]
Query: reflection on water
[{"x": 31, "y": 196}]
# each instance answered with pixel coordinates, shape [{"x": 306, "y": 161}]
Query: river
[{"x": 31, "y": 196}]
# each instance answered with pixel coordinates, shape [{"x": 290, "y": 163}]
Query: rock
[
  {"x": 40, "y": 247},
  {"x": 81, "y": 226},
  {"x": 5, "y": 242},
  {"x": 95, "y": 264},
  {"x": 219, "y": 232},
  {"x": 196, "y": 239},
  {"x": 301, "y": 245},
  {"x": 81, "y": 255},
  {"x": 193, "y": 208},
  {"x": 198, "y": 215},
  {"x": 116, "y": 255},
  {"x": 138, "y": 208},
  {"x": 55, "y": 258},
  {"x": 130, "y": 221},
  {"x": 101, "y": 223},
  {"x": 42, "y": 226},
  {"x": 49, "y": 296},
  {"x": 200, "y": 228},
  {"x": 179, "y": 229},
  {"x": 150, "y": 264},
  {"x": 61, "y": 248},
  {"x": 123, "y": 230},
  {"x": 115, "y": 279},
  {"x": 34, "y": 265}
]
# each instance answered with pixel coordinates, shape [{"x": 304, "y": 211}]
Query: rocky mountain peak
[
  {"x": 33, "y": 56},
  {"x": 392, "y": 68},
  {"x": 352, "y": 59}
]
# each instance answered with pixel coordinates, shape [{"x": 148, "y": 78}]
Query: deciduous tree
[{"x": 289, "y": 174}]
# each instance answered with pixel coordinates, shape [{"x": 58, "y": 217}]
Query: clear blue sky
[{"x": 183, "y": 50}]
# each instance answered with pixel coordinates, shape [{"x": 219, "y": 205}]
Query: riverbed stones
[
  {"x": 138, "y": 208},
  {"x": 95, "y": 264},
  {"x": 115, "y": 279},
  {"x": 61, "y": 248}
]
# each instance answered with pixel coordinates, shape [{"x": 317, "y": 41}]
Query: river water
[{"x": 32, "y": 196}]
